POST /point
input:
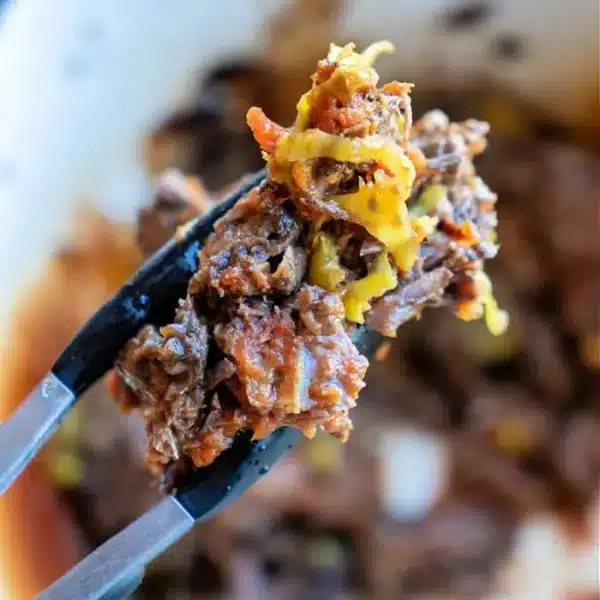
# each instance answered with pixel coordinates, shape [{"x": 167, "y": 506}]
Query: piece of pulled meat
[
  {"x": 164, "y": 368},
  {"x": 252, "y": 252},
  {"x": 408, "y": 300},
  {"x": 307, "y": 371}
]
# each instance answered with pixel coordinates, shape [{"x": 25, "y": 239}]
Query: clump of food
[{"x": 364, "y": 218}]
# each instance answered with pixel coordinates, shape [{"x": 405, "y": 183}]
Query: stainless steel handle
[
  {"x": 107, "y": 571},
  {"x": 30, "y": 426}
]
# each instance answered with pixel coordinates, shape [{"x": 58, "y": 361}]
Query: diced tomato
[{"x": 266, "y": 132}]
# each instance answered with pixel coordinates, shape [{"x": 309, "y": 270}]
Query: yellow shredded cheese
[
  {"x": 381, "y": 209},
  {"x": 405, "y": 254},
  {"x": 358, "y": 294},
  {"x": 315, "y": 143},
  {"x": 379, "y": 206},
  {"x": 325, "y": 270}
]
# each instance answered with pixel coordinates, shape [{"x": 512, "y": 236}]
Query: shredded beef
[
  {"x": 164, "y": 368},
  {"x": 217, "y": 434},
  {"x": 365, "y": 113},
  {"x": 278, "y": 347},
  {"x": 169, "y": 360},
  {"x": 291, "y": 270},
  {"x": 239, "y": 259},
  {"x": 321, "y": 313},
  {"x": 289, "y": 370},
  {"x": 407, "y": 301}
]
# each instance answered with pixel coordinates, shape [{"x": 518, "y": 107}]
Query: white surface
[{"x": 82, "y": 82}]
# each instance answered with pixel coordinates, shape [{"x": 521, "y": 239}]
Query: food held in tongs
[{"x": 364, "y": 220}]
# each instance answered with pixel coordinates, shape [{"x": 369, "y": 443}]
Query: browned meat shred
[
  {"x": 407, "y": 300},
  {"x": 290, "y": 372},
  {"x": 175, "y": 355},
  {"x": 164, "y": 368},
  {"x": 254, "y": 345},
  {"x": 177, "y": 200},
  {"x": 239, "y": 259}
]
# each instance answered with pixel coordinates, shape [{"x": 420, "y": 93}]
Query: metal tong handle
[
  {"x": 30, "y": 426},
  {"x": 115, "y": 568}
]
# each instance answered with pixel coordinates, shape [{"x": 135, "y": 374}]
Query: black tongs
[{"x": 114, "y": 569}]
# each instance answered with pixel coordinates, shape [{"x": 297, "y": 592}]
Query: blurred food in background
[{"x": 508, "y": 428}]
